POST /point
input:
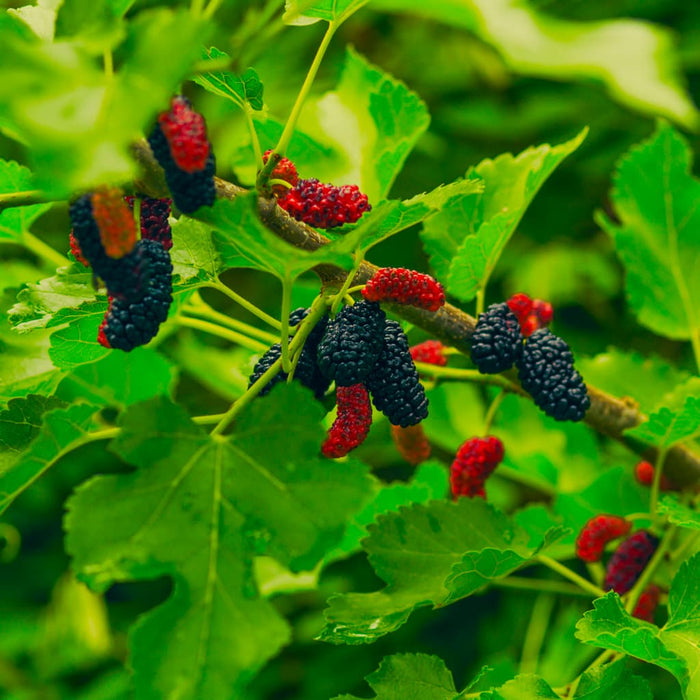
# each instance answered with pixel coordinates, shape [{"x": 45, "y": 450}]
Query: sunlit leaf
[
  {"x": 302, "y": 12},
  {"x": 14, "y": 221},
  {"x": 666, "y": 427}
]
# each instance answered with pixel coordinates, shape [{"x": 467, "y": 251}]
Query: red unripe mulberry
[
  {"x": 473, "y": 464},
  {"x": 284, "y": 170},
  {"x": 115, "y": 221},
  {"x": 75, "y": 249},
  {"x": 629, "y": 560},
  {"x": 412, "y": 443},
  {"x": 597, "y": 532},
  {"x": 532, "y": 314},
  {"x": 431, "y": 352},
  {"x": 647, "y": 603},
  {"x": 186, "y": 133},
  {"x": 353, "y": 422},
  {"x": 644, "y": 473},
  {"x": 402, "y": 286}
]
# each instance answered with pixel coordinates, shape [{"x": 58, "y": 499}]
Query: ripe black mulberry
[{"x": 497, "y": 341}]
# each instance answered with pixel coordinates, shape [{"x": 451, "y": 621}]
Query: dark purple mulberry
[
  {"x": 628, "y": 561},
  {"x": 393, "y": 381},
  {"x": 155, "y": 224},
  {"x": 546, "y": 371},
  {"x": 497, "y": 340}
]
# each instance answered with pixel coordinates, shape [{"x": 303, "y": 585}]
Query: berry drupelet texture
[
  {"x": 393, "y": 381},
  {"x": 75, "y": 249},
  {"x": 647, "y": 603},
  {"x": 532, "y": 314},
  {"x": 189, "y": 189},
  {"x": 597, "y": 532},
  {"x": 284, "y": 170},
  {"x": 497, "y": 340},
  {"x": 186, "y": 134},
  {"x": 412, "y": 443},
  {"x": 431, "y": 352},
  {"x": 402, "y": 286},
  {"x": 352, "y": 343},
  {"x": 129, "y": 324},
  {"x": 473, "y": 464},
  {"x": 115, "y": 221},
  {"x": 628, "y": 561},
  {"x": 352, "y": 423},
  {"x": 644, "y": 474},
  {"x": 324, "y": 206},
  {"x": 546, "y": 371},
  {"x": 155, "y": 223}
]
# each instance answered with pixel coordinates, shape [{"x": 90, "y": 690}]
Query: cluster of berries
[
  {"x": 316, "y": 203},
  {"x": 474, "y": 462},
  {"x": 545, "y": 362},
  {"x": 532, "y": 314},
  {"x": 180, "y": 145},
  {"x": 627, "y": 562},
  {"x": 139, "y": 281}
]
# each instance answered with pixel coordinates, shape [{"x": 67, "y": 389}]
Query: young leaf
[
  {"x": 636, "y": 61},
  {"x": 472, "y": 237},
  {"x": 655, "y": 197},
  {"x": 678, "y": 513},
  {"x": 524, "y": 687},
  {"x": 410, "y": 676},
  {"x": 302, "y": 12},
  {"x": 437, "y": 553},
  {"x": 242, "y": 90},
  {"x": 40, "y": 17},
  {"x": 198, "y": 508},
  {"x": 14, "y": 221},
  {"x": 62, "y": 430},
  {"x": 666, "y": 427}
]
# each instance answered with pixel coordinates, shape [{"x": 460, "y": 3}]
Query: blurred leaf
[
  {"x": 622, "y": 373},
  {"x": 62, "y": 430},
  {"x": 678, "y": 513},
  {"x": 665, "y": 428},
  {"x": 408, "y": 676},
  {"x": 435, "y": 553},
  {"x": 523, "y": 687},
  {"x": 97, "y": 25},
  {"x": 373, "y": 120},
  {"x": 474, "y": 244},
  {"x": 227, "y": 499},
  {"x": 675, "y": 647},
  {"x": 14, "y": 221},
  {"x": 242, "y": 90},
  {"x": 302, "y": 12},
  {"x": 120, "y": 378},
  {"x": 636, "y": 61},
  {"x": 612, "y": 682},
  {"x": 40, "y": 17},
  {"x": 655, "y": 198}
]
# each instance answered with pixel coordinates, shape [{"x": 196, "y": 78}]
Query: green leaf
[
  {"x": 97, "y": 25},
  {"x": 242, "y": 90},
  {"x": 120, "y": 378},
  {"x": 665, "y": 428},
  {"x": 371, "y": 119},
  {"x": 655, "y": 197},
  {"x": 194, "y": 256},
  {"x": 409, "y": 677},
  {"x": 427, "y": 554},
  {"x": 302, "y": 12},
  {"x": 465, "y": 243},
  {"x": 524, "y": 687},
  {"x": 76, "y": 344},
  {"x": 678, "y": 513},
  {"x": 228, "y": 499},
  {"x": 62, "y": 430},
  {"x": 40, "y": 17},
  {"x": 612, "y": 682},
  {"x": 635, "y": 60},
  {"x": 14, "y": 221}
]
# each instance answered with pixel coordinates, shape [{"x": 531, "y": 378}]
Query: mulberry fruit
[
  {"x": 190, "y": 189},
  {"x": 123, "y": 277},
  {"x": 532, "y": 314},
  {"x": 284, "y": 170},
  {"x": 75, "y": 249},
  {"x": 393, "y": 382},
  {"x": 129, "y": 324},
  {"x": 546, "y": 371},
  {"x": 497, "y": 341},
  {"x": 155, "y": 223},
  {"x": 412, "y": 443},
  {"x": 644, "y": 473},
  {"x": 597, "y": 532},
  {"x": 473, "y": 464},
  {"x": 647, "y": 603},
  {"x": 431, "y": 352},
  {"x": 353, "y": 422},
  {"x": 324, "y": 206},
  {"x": 402, "y": 286},
  {"x": 115, "y": 222},
  {"x": 628, "y": 561},
  {"x": 186, "y": 134},
  {"x": 352, "y": 343}
]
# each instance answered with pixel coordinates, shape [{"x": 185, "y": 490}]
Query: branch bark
[{"x": 608, "y": 414}]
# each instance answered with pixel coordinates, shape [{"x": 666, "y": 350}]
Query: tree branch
[{"x": 608, "y": 414}]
